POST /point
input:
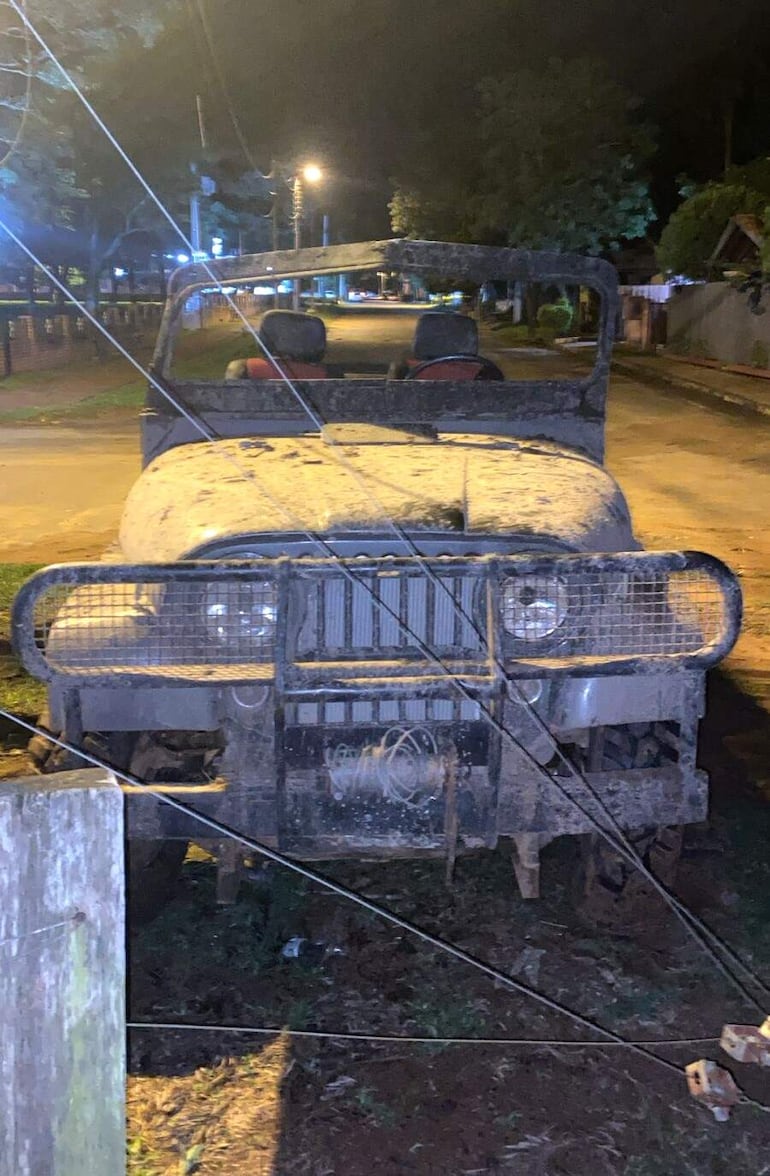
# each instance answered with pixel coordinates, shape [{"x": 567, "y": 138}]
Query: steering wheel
[{"x": 487, "y": 369}]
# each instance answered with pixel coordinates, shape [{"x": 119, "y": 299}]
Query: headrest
[
  {"x": 440, "y": 334},
  {"x": 293, "y": 335}
]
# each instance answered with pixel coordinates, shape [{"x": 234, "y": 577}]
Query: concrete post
[{"x": 62, "y": 976}]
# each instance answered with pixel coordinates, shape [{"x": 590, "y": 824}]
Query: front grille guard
[{"x": 636, "y": 612}]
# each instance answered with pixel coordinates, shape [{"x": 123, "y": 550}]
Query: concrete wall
[
  {"x": 713, "y": 321},
  {"x": 62, "y": 976}
]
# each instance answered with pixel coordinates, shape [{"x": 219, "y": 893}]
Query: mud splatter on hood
[{"x": 200, "y": 494}]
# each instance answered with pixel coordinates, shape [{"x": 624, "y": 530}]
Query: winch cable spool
[
  {"x": 407, "y": 742},
  {"x": 617, "y": 839},
  {"x": 373, "y": 767},
  {"x": 702, "y": 934}
]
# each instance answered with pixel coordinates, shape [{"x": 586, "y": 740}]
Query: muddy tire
[
  {"x": 152, "y": 867},
  {"x": 46, "y": 756},
  {"x": 152, "y": 871},
  {"x": 610, "y": 891}
]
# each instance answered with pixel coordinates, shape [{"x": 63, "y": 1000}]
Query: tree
[
  {"x": 58, "y": 190},
  {"x": 562, "y": 159},
  {"x": 695, "y": 227},
  {"x": 554, "y": 160},
  {"x": 443, "y": 214}
]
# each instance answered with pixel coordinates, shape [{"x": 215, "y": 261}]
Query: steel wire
[{"x": 618, "y": 840}]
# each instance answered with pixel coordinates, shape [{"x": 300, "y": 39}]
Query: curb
[{"x": 645, "y": 376}]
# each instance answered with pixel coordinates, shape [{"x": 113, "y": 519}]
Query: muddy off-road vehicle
[{"x": 369, "y": 616}]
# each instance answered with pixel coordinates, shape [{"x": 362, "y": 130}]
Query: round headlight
[
  {"x": 533, "y": 606},
  {"x": 241, "y": 615}
]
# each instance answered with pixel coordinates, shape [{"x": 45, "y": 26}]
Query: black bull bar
[{"x": 357, "y": 626}]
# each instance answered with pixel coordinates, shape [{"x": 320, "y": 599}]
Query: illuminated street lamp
[{"x": 310, "y": 174}]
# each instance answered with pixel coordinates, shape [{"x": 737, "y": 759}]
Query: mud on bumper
[{"x": 372, "y": 706}]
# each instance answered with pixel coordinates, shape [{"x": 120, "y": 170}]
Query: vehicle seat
[
  {"x": 438, "y": 335},
  {"x": 298, "y": 342}
]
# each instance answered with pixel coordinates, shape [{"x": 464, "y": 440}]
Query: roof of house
[{"x": 741, "y": 240}]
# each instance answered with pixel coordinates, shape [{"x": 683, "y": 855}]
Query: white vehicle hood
[{"x": 197, "y": 495}]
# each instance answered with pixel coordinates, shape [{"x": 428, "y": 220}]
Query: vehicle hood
[{"x": 197, "y": 495}]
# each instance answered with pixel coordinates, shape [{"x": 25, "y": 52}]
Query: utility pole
[
  {"x": 195, "y": 211},
  {"x": 296, "y": 212}
]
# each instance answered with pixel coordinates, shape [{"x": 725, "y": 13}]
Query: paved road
[
  {"x": 695, "y": 477},
  {"x": 62, "y": 489},
  {"x": 699, "y": 477}
]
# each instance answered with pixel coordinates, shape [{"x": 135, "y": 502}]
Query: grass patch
[
  {"x": 204, "y": 355},
  {"x": 517, "y": 335},
  {"x": 448, "y": 1019},
  {"x": 26, "y": 412},
  {"x": 219, "y": 1120},
  {"x": 124, "y": 396},
  {"x": 18, "y": 691}
]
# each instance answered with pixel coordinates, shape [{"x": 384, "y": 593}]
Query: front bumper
[{"x": 367, "y": 656}]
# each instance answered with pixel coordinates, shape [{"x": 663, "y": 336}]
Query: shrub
[{"x": 555, "y": 316}]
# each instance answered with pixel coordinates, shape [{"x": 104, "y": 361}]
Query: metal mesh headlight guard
[{"x": 89, "y": 624}]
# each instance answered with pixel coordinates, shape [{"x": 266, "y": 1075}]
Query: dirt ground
[
  {"x": 213, "y": 1102},
  {"x": 350, "y": 1109}
]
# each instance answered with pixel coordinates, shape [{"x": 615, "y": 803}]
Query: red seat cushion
[{"x": 295, "y": 369}]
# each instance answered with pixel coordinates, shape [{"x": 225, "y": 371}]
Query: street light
[{"x": 310, "y": 174}]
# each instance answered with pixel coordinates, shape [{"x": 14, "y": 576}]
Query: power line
[
  {"x": 691, "y": 922},
  {"x": 616, "y": 838},
  {"x": 219, "y": 73},
  {"x": 400, "y": 1039},
  {"x": 354, "y": 896}
]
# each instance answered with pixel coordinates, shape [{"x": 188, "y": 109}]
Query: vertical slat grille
[
  {"x": 393, "y": 612},
  {"x": 383, "y": 712}
]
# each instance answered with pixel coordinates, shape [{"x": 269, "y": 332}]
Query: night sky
[{"x": 370, "y": 84}]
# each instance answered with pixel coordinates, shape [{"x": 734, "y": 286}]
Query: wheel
[
  {"x": 46, "y": 756},
  {"x": 610, "y": 890},
  {"x": 152, "y": 870},
  {"x": 152, "y": 866}
]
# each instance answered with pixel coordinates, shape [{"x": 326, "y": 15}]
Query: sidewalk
[{"x": 705, "y": 378}]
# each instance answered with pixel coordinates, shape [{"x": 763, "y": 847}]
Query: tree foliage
[
  {"x": 553, "y": 159},
  {"x": 563, "y": 159},
  {"x": 62, "y": 188},
  {"x": 694, "y": 229},
  {"x": 550, "y": 151}
]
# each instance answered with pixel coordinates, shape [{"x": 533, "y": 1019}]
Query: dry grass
[{"x": 223, "y": 1121}]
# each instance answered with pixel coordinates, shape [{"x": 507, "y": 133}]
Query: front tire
[
  {"x": 152, "y": 866},
  {"x": 152, "y": 871},
  {"x": 611, "y": 891}
]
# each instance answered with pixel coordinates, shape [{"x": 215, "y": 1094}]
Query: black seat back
[
  {"x": 291, "y": 334},
  {"x": 438, "y": 334}
]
